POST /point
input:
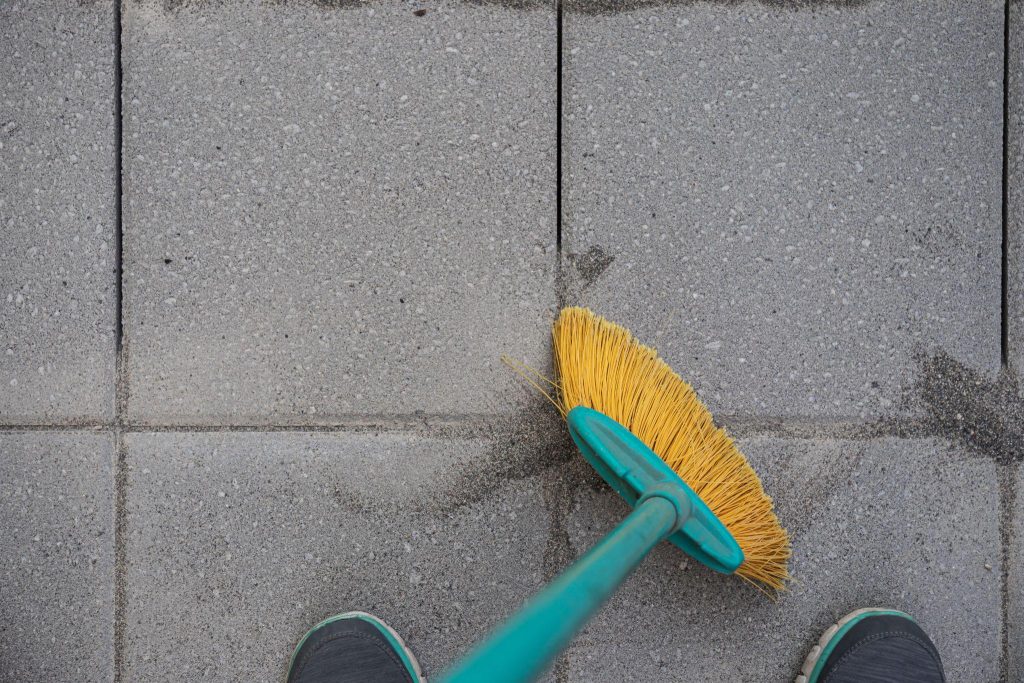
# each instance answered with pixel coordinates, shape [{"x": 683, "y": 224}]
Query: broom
[{"x": 648, "y": 435}]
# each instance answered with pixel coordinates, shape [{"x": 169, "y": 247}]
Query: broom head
[{"x": 601, "y": 366}]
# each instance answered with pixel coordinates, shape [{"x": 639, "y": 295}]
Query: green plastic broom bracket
[{"x": 637, "y": 473}]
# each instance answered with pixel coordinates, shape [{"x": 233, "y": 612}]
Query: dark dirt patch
[
  {"x": 963, "y": 405},
  {"x": 523, "y": 445},
  {"x": 590, "y": 264}
]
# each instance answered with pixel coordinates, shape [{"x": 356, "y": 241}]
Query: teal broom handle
[{"x": 523, "y": 648}]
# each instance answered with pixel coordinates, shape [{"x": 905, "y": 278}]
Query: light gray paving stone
[
  {"x": 1015, "y": 187},
  {"x": 791, "y": 203},
  {"x": 1015, "y": 589},
  {"x": 57, "y": 199},
  {"x": 237, "y": 543},
  {"x": 909, "y": 524},
  {"x": 335, "y": 210},
  {"x": 56, "y": 557}
]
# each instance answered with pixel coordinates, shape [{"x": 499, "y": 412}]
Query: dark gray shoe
[
  {"x": 354, "y": 647},
  {"x": 873, "y": 646}
]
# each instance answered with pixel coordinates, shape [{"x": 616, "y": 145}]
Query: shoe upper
[
  {"x": 883, "y": 648},
  {"x": 348, "y": 650}
]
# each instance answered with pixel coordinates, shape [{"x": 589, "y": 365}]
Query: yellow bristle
[{"x": 602, "y": 366}]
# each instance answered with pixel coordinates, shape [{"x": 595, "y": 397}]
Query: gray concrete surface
[
  {"x": 909, "y": 524},
  {"x": 56, "y": 557},
  {"x": 57, "y": 198},
  {"x": 335, "y": 210},
  {"x": 238, "y": 543},
  {"x": 790, "y": 203},
  {"x": 338, "y": 215}
]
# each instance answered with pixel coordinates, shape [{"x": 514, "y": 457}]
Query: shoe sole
[
  {"x": 408, "y": 658},
  {"x": 818, "y": 655}
]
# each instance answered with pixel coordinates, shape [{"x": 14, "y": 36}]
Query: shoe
[
  {"x": 873, "y": 646},
  {"x": 354, "y": 647}
]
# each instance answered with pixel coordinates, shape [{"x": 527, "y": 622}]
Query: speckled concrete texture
[
  {"x": 790, "y": 203},
  {"x": 57, "y": 199},
  {"x": 56, "y": 557},
  {"x": 909, "y": 524},
  {"x": 238, "y": 543},
  {"x": 335, "y": 211},
  {"x": 339, "y": 214}
]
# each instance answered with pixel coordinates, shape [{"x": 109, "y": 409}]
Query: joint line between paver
[
  {"x": 1007, "y": 498},
  {"x": 558, "y": 125},
  {"x": 1005, "y": 279},
  {"x": 482, "y": 425},
  {"x": 120, "y": 552},
  {"x": 559, "y": 280},
  {"x": 118, "y": 221},
  {"x": 120, "y": 385}
]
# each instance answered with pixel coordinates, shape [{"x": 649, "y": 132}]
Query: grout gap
[
  {"x": 559, "y": 275},
  {"x": 120, "y": 552},
  {"x": 1007, "y": 497},
  {"x": 558, "y": 126},
  {"x": 1006, "y": 471},
  {"x": 738, "y": 426},
  {"x": 1004, "y": 342},
  {"x": 118, "y": 223},
  {"x": 120, "y": 394}
]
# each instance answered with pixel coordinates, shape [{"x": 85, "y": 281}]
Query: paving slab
[
  {"x": 911, "y": 524},
  {"x": 1015, "y": 186},
  {"x": 335, "y": 208},
  {"x": 56, "y": 557},
  {"x": 57, "y": 199},
  {"x": 792, "y": 203},
  {"x": 239, "y": 542}
]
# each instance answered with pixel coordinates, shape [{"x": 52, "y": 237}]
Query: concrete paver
[
  {"x": 791, "y": 203},
  {"x": 910, "y": 524},
  {"x": 56, "y": 557},
  {"x": 57, "y": 199},
  {"x": 239, "y": 542},
  {"x": 335, "y": 210}
]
